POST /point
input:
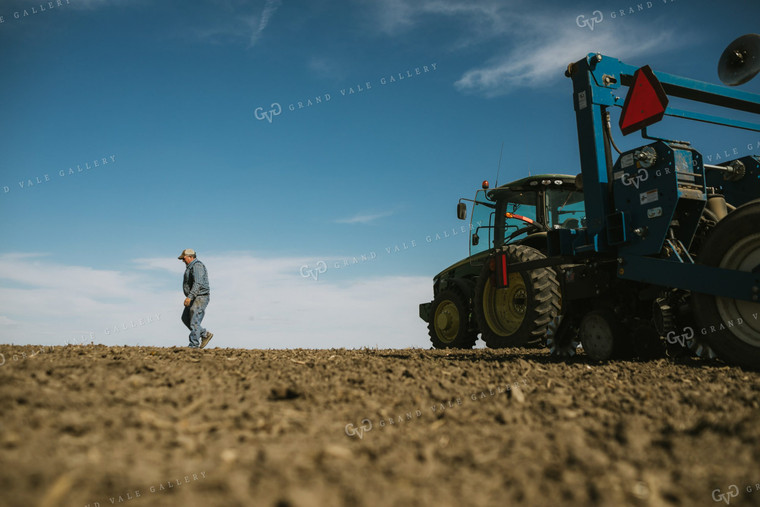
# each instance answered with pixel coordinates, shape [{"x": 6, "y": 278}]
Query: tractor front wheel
[{"x": 449, "y": 325}]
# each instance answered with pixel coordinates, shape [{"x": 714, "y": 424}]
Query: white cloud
[
  {"x": 255, "y": 303},
  {"x": 364, "y": 218},
  {"x": 52, "y": 303}
]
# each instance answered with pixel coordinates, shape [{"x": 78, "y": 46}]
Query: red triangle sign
[{"x": 645, "y": 103}]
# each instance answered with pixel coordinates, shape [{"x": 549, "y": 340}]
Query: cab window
[
  {"x": 565, "y": 208},
  {"x": 514, "y": 208}
]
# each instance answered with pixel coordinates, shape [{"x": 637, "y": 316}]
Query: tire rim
[
  {"x": 447, "y": 321},
  {"x": 742, "y": 256},
  {"x": 505, "y": 308}
]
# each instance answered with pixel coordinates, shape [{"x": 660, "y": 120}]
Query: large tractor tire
[
  {"x": 519, "y": 314},
  {"x": 449, "y": 326},
  {"x": 730, "y": 326}
]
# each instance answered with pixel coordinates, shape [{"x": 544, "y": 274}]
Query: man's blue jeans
[{"x": 192, "y": 317}]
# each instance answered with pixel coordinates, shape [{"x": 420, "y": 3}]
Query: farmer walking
[{"x": 197, "y": 294}]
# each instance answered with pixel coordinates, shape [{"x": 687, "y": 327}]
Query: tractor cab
[{"x": 522, "y": 212}]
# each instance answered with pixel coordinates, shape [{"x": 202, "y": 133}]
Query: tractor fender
[
  {"x": 537, "y": 240},
  {"x": 465, "y": 286}
]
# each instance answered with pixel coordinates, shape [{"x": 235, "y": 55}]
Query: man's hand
[{"x": 188, "y": 301}]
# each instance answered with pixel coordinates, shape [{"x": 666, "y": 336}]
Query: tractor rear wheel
[
  {"x": 518, "y": 314},
  {"x": 731, "y": 326},
  {"x": 449, "y": 325}
]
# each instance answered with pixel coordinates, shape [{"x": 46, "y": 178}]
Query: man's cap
[{"x": 187, "y": 252}]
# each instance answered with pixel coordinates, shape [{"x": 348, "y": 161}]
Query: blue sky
[{"x": 174, "y": 95}]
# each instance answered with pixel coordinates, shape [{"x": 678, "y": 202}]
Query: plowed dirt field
[{"x": 140, "y": 426}]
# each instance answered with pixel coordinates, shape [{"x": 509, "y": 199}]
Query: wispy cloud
[
  {"x": 538, "y": 42},
  {"x": 233, "y": 22},
  {"x": 363, "y": 218},
  {"x": 96, "y": 4},
  {"x": 326, "y": 68},
  {"x": 259, "y": 23},
  {"x": 396, "y": 16},
  {"x": 540, "y": 59}
]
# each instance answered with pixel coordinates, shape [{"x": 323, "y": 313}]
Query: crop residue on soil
[{"x": 143, "y": 426}]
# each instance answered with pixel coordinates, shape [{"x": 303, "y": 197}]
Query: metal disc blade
[{"x": 740, "y": 61}]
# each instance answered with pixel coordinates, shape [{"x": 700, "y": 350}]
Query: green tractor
[
  {"x": 644, "y": 250},
  {"x": 481, "y": 294}
]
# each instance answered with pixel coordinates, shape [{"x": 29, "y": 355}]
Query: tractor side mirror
[
  {"x": 475, "y": 239},
  {"x": 461, "y": 211}
]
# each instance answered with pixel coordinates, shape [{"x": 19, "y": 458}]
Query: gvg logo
[
  {"x": 583, "y": 21},
  {"x": 629, "y": 180},
  {"x": 733, "y": 491},
  {"x": 319, "y": 268},
  {"x": 683, "y": 339},
  {"x": 275, "y": 110},
  {"x": 353, "y": 431}
]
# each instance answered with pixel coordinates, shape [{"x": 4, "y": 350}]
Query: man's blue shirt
[{"x": 195, "y": 282}]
